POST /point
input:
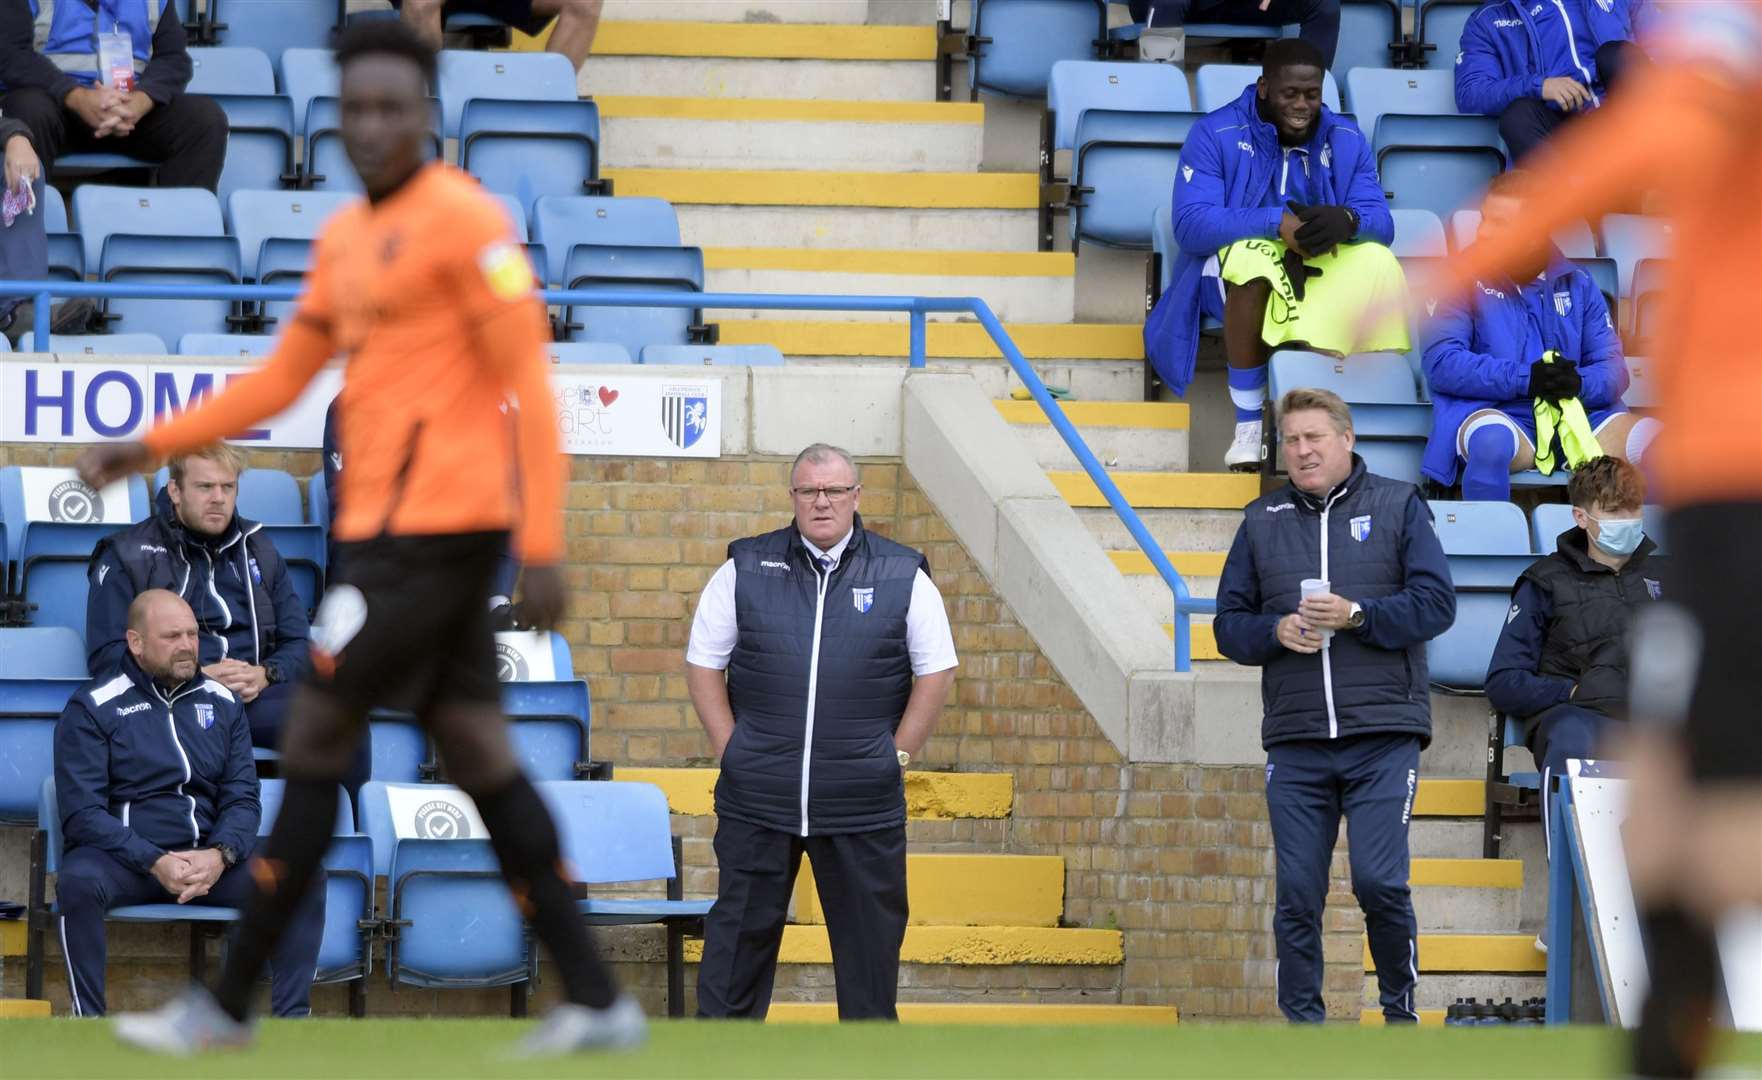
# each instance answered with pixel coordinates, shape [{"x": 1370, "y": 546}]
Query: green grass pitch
[{"x": 686, "y": 1049}]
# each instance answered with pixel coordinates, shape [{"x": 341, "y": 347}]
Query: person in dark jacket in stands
[
  {"x": 1561, "y": 664},
  {"x": 158, "y": 799},
  {"x": 108, "y": 76},
  {"x": 1332, "y": 587},
  {"x": 819, "y": 660},
  {"x": 24, "y": 242}
]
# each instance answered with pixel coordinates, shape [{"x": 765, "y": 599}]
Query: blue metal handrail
[{"x": 916, "y": 307}]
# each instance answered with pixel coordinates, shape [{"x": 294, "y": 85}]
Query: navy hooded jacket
[
  {"x": 1505, "y": 52},
  {"x": 141, "y": 770},
  {"x": 237, "y": 585},
  {"x": 1373, "y": 541},
  {"x": 1230, "y": 163}
]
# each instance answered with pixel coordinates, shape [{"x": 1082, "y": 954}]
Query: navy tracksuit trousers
[
  {"x": 1309, "y": 784},
  {"x": 92, "y": 882}
]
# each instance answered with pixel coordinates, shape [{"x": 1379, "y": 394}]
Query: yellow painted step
[
  {"x": 1161, "y": 415},
  {"x": 1475, "y": 953},
  {"x": 1372, "y": 1017},
  {"x": 765, "y": 41},
  {"x": 12, "y": 937},
  {"x": 1469, "y": 873},
  {"x": 966, "y": 945},
  {"x": 966, "y": 890},
  {"x": 928, "y": 795},
  {"x": 804, "y": 110},
  {"x": 1202, "y": 645},
  {"x": 1450, "y": 798},
  {"x": 905, "y": 263},
  {"x": 989, "y": 1013},
  {"x": 767, "y": 187},
  {"x": 1187, "y": 563},
  {"x": 1164, "y": 490},
  {"x": 942, "y": 341},
  {"x": 23, "y": 1009}
]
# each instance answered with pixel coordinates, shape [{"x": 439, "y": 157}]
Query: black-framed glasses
[{"x": 835, "y": 493}]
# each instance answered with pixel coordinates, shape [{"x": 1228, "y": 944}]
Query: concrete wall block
[
  {"x": 1227, "y": 714},
  {"x": 670, "y": 143},
  {"x": 1163, "y": 449},
  {"x": 1160, "y": 712},
  {"x": 1013, "y": 298},
  {"x": 874, "y": 228},
  {"x": 737, "y": 77},
  {"x": 841, "y": 12},
  {"x": 791, "y": 409},
  {"x": 1175, "y": 530}
]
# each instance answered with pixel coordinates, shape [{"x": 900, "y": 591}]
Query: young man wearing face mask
[{"x": 1561, "y": 664}]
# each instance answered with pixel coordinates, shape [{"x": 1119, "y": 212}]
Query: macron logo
[
  {"x": 1187, "y": 173},
  {"x": 772, "y": 565},
  {"x": 142, "y": 707},
  {"x": 103, "y": 572},
  {"x": 1281, "y": 506}
]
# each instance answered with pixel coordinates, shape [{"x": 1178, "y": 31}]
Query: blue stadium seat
[
  {"x": 234, "y": 70},
  {"x": 551, "y": 726},
  {"x": 1122, "y": 171},
  {"x": 1646, "y": 296},
  {"x": 67, "y": 256},
  {"x": 1220, "y": 84},
  {"x": 400, "y": 750},
  {"x": 616, "y": 832},
  {"x": 259, "y": 145},
  {"x": 1552, "y": 519},
  {"x": 559, "y": 222},
  {"x": 1390, "y": 421},
  {"x": 327, "y": 166},
  {"x": 516, "y": 214},
  {"x": 714, "y": 355},
  {"x": 97, "y": 344},
  {"x": 459, "y": 926},
  {"x": 277, "y": 27},
  {"x": 40, "y": 668},
  {"x": 1163, "y": 248},
  {"x": 345, "y": 952},
  {"x": 589, "y": 352},
  {"x": 1418, "y": 233},
  {"x": 1488, "y": 546},
  {"x": 541, "y": 264},
  {"x": 1367, "y": 29},
  {"x": 272, "y": 497},
  {"x": 1440, "y": 26},
  {"x": 255, "y": 216},
  {"x": 54, "y": 209},
  {"x": 100, "y": 209},
  {"x": 307, "y": 73},
  {"x": 530, "y": 149},
  {"x": 317, "y": 500},
  {"x": 619, "y": 267},
  {"x": 1015, "y": 43},
  {"x": 1373, "y": 92},
  {"x": 50, "y": 555},
  {"x": 171, "y": 260},
  {"x": 250, "y": 345},
  {"x": 526, "y": 77},
  {"x": 1080, "y": 85},
  {"x": 1437, "y": 163},
  {"x": 1575, "y": 241},
  {"x": 1628, "y": 238},
  {"x": 1607, "y": 276}
]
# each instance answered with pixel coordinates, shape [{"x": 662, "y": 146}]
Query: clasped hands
[
  {"x": 245, "y": 680},
  {"x": 189, "y": 874},
  {"x": 1308, "y": 231},
  {"x": 108, "y": 111}
]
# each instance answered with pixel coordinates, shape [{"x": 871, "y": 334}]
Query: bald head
[{"x": 162, "y": 636}]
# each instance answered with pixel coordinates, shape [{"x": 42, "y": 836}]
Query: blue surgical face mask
[{"x": 1619, "y": 536}]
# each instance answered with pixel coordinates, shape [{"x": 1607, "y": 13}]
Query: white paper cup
[{"x": 1317, "y": 587}]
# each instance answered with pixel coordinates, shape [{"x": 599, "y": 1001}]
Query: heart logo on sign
[{"x": 608, "y": 395}]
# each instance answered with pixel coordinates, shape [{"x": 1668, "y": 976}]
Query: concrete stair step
[
  {"x": 1015, "y": 285},
  {"x": 1203, "y": 645},
  {"x": 1459, "y": 737},
  {"x": 997, "y": 1014},
  {"x": 1452, "y": 838},
  {"x": 1163, "y": 490},
  {"x": 841, "y": 12},
  {"x": 928, "y": 795},
  {"x": 1513, "y": 953},
  {"x": 1184, "y": 529},
  {"x": 1124, "y": 435},
  {"x": 1478, "y": 895},
  {"x": 965, "y": 890},
  {"x": 768, "y": 133},
  {"x": 1199, "y": 569},
  {"x": 964, "y": 945},
  {"x": 762, "y": 60},
  {"x": 1441, "y": 991}
]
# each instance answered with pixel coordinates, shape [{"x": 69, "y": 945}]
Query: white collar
[{"x": 835, "y": 552}]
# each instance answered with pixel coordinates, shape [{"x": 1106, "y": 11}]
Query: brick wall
[{"x": 1177, "y": 857}]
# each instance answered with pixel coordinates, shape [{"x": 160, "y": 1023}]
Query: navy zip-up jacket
[
  {"x": 141, "y": 770},
  {"x": 1373, "y": 541},
  {"x": 238, "y": 587},
  {"x": 1503, "y": 57},
  {"x": 1230, "y": 163}
]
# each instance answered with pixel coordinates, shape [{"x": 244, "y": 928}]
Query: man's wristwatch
[
  {"x": 227, "y": 855},
  {"x": 904, "y": 759},
  {"x": 1355, "y": 616},
  {"x": 272, "y": 673}
]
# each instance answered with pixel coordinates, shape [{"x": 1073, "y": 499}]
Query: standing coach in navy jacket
[
  {"x": 1343, "y": 684},
  {"x": 159, "y": 802},
  {"x": 820, "y": 658}
]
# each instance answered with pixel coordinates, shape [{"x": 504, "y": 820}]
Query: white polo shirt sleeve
[
  {"x": 714, "y": 629},
  {"x": 927, "y": 634}
]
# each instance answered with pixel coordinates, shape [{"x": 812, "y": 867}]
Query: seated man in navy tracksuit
[
  {"x": 1561, "y": 665},
  {"x": 158, "y": 800},
  {"x": 1487, "y": 363},
  {"x": 1343, "y": 683},
  {"x": 1537, "y": 65}
]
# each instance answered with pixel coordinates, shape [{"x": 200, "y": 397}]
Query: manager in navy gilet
[
  {"x": 1343, "y": 687},
  {"x": 820, "y": 658}
]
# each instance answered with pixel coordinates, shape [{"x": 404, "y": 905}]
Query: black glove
[
  {"x": 1554, "y": 382},
  {"x": 1324, "y": 227},
  {"x": 1298, "y": 271}
]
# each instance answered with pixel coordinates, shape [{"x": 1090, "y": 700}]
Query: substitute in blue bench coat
[
  {"x": 1346, "y": 718},
  {"x": 158, "y": 799},
  {"x": 1561, "y": 664}
]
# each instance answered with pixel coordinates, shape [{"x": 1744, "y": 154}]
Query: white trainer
[
  {"x": 571, "y": 1029},
  {"x": 188, "y": 1024},
  {"x": 1163, "y": 45},
  {"x": 1244, "y": 454}
]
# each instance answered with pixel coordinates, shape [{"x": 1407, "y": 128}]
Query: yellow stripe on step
[
  {"x": 1475, "y": 953},
  {"x": 805, "y": 110},
  {"x": 1450, "y": 798},
  {"x": 943, "y": 340},
  {"x": 989, "y": 1013},
  {"x": 967, "y": 945},
  {"x": 773, "y": 41},
  {"x": 1163, "y": 490},
  {"x": 928, "y": 795},
  {"x": 1202, "y": 645},
  {"x": 23, "y": 1009},
  {"x": 1370, "y": 1017},
  {"x": 1187, "y": 563},
  {"x": 900, "y": 263},
  {"x": 12, "y": 937},
  {"x": 1467, "y": 873},
  {"x": 779, "y": 187},
  {"x": 965, "y": 890},
  {"x": 1160, "y": 415}
]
